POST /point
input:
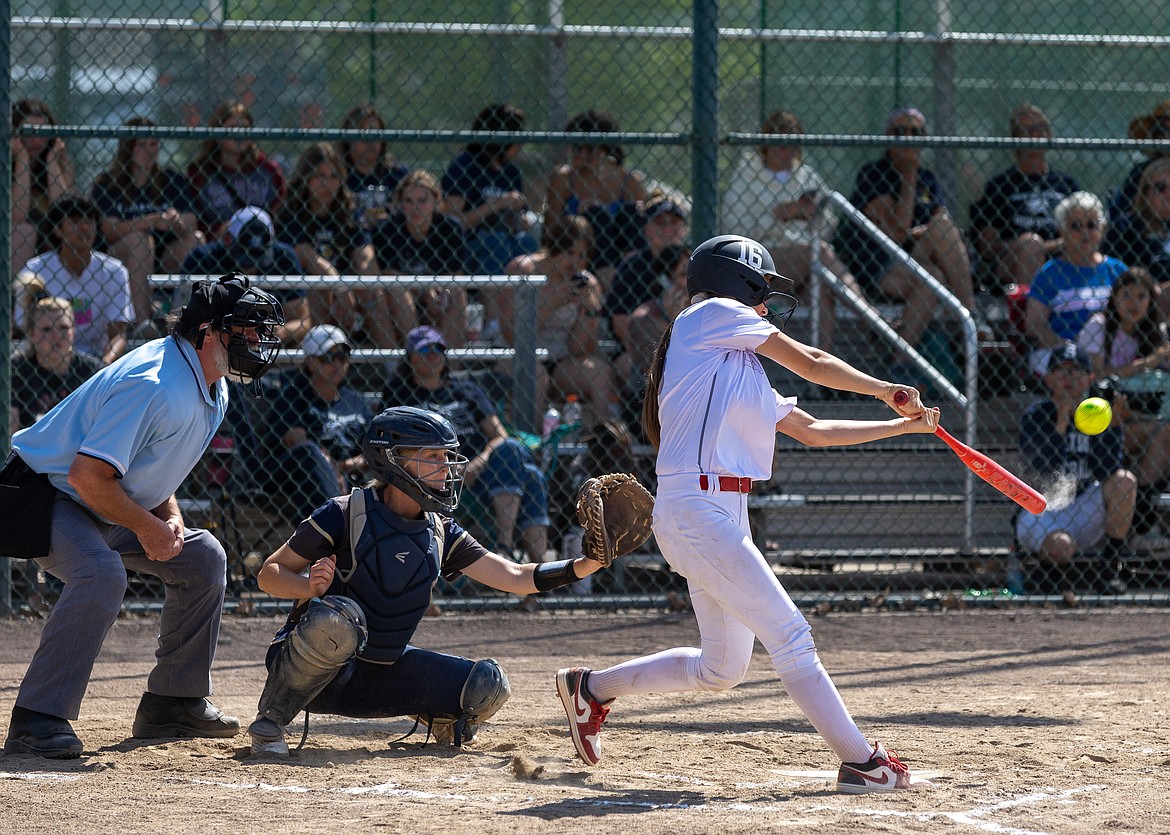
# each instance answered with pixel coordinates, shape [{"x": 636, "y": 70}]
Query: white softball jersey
[{"x": 717, "y": 408}]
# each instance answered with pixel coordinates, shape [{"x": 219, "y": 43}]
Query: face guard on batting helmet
[
  {"x": 739, "y": 268},
  {"x": 394, "y": 439}
]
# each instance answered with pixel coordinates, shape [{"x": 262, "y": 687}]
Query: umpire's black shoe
[
  {"x": 31, "y": 732},
  {"x": 178, "y": 716}
]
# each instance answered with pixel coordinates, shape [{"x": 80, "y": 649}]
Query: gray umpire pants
[{"x": 91, "y": 558}]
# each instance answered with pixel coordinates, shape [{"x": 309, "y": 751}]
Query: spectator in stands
[
  {"x": 502, "y": 474},
  {"x": 484, "y": 190},
  {"x": 772, "y": 198},
  {"x": 1127, "y": 343},
  {"x": 318, "y": 219},
  {"x": 249, "y": 246},
  {"x": 52, "y": 368},
  {"x": 319, "y": 421},
  {"x": 1142, "y": 238},
  {"x": 568, "y": 318},
  {"x": 904, "y": 200},
  {"x": 596, "y": 185},
  {"x": 645, "y": 326},
  {"x": 373, "y": 174},
  {"x": 1073, "y": 286},
  {"x": 229, "y": 174},
  {"x": 1154, "y": 125},
  {"x": 97, "y": 285},
  {"x": 1013, "y": 224},
  {"x": 418, "y": 239},
  {"x": 639, "y": 276},
  {"x": 1090, "y": 493},
  {"x": 148, "y": 216},
  {"x": 42, "y": 172}
]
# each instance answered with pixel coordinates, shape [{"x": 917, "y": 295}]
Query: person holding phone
[{"x": 773, "y": 197}]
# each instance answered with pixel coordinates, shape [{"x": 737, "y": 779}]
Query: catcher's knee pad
[
  {"x": 485, "y": 691},
  {"x": 330, "y": 633}
]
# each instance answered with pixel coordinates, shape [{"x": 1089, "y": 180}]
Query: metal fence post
[
  {"x": 5, "y": 274},
  {"x": 705, "y": 109}
]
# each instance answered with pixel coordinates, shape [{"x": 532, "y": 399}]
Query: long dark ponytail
[{"x": 651, "y": 424}]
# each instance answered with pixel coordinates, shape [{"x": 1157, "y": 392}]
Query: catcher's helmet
[
  {"x": 247, "y": 314},
  {"x": 402, "y": 428},
  {"x": 738, "y": 268}
]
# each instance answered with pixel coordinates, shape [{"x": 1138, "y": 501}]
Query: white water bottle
[
  {"x": 571, "y": 416},
  {"x": 550, "y": 421}
]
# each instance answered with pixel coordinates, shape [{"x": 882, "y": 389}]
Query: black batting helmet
[
  {"x": 403, "y": 428},
  {"x": 737, "y": 268}
]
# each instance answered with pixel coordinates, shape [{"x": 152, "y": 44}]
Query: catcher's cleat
[
  {"x": 178, "y": 716},
  {"x": 884, "y": 772},
  {"x": 585, "y": 714},
  {"x": 267, "y": 737},
  {"x": 31, "y": 732}
]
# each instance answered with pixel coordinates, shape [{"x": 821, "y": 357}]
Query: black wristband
[{"x": 553, "y": 575}]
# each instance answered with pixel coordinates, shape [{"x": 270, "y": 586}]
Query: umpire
[{"x": 89, "y": 491}]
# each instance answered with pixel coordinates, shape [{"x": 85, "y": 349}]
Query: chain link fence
[{"x": 955, "y": 189}]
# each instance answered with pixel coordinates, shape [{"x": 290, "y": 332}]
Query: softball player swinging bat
[{"x": 711, "y": 413}]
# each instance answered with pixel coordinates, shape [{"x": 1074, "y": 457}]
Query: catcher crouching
[{"x": 372, "y": 559}]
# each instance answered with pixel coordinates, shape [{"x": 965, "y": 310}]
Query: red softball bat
[{"x": 998, "y": 476}]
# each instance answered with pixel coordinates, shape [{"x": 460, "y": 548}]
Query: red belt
[{"x": 727, "y": 483}]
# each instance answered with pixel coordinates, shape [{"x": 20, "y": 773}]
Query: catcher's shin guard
[
  {"x": 330, "y": 633},
  {"x": 484, "y": 693}
]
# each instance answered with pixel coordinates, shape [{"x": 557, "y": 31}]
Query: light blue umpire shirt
[{"x": 150, "y": 415}]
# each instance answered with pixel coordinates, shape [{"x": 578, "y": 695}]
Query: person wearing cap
[
  {"x": 502, "y": 474},
  {"x": 1013, "y": 222},
  {"x": 97, "y": 285},
  {"x": 1153, "y": 125},
  {"x": 102, "y": 468},
  {"x": 904, "y": 199},
  {"x": 1091, "y": 496},
  {"x": 249, "y": 246},
  {"x": 318, "y": 421}
]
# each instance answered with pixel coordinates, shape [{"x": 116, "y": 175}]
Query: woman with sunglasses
[
  {"x": 1143, "y": 238},
  {"x": 597, "y": 186},
  {"x": 1073, "y": 286},
  {"x": 905, "y": 200},
  {"x": 317, "y": 421}
]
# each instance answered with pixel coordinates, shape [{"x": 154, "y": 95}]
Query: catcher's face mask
[{"x": 435, "y": 472}]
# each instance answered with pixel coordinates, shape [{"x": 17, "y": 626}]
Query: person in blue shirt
[
  {"x": 372, "y": 172},
  {"x": 110, "y": 457},
  {"x": 1070, "y": 288}
]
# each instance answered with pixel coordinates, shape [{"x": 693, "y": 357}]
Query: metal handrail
[{"x": 968, "y": 400}]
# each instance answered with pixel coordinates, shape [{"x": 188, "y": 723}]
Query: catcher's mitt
[{"x": 615, "y": 511}]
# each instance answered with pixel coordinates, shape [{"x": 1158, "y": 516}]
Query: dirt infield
[{"x": 1031, "y": 722}]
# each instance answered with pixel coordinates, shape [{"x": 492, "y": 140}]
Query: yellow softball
[{"x": 1093, "y": 416}]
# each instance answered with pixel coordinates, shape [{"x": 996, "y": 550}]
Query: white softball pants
[{"x": 736, "y": 598}]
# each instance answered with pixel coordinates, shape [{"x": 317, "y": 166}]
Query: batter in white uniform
[{"x": 712, "y": 414}]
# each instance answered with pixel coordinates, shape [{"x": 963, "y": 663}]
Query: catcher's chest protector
[{"x": 395, "y": 563}]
